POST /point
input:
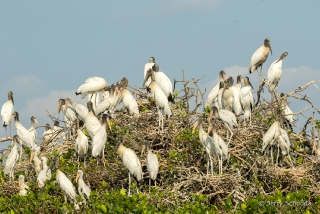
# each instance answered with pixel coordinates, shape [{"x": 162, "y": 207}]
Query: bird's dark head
[
  {"x": 120, "y": 141},
  {"x": 90, "y": 106},
  {"x": 239, "y": 79},
  {"x": 152, "y": 60},
  {"x": 267, "y": 44},
  {"x": 247, "y": 82},
  {"x": 61, "y": 102},
  {"x": 213, "y": 113},
  {"x": 222, "y": 75}
]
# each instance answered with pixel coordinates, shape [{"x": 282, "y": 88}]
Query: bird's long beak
[
  {"x": 20, "y": 182},
  {"x": 209, "y": 128},
  {"x": 77, "y": 178},
  {"x": 36, "y": 121},
  {"x": 147, "y": 76},
  {"x": 59, "y": 107},
  {"x": 143, "y": 149},
  {"x": 194, "y": 126},
  {"x": 108, "y": 121},
  {"x": 52, "y": 163},
  {"x": 270, "y": 49},
  {"x": 31, "y": 156},
  {"x": 210, "y": 116}
]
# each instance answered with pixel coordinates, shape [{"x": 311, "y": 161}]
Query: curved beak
[
  {"x": 210, "y": 116},
  {"x": 36, "y": 121},
  {"x": 108, "y": 121},
  {"x": 31, "y": 156},
  {"x": 59, "y": 107},
  {"x": 77, "y": 178},
  {"x": 209, "y": 128},
  {"x": 20, "y": 182},
  {"x": 147, "y": 76},
  {"x": 143, "y": 149},
  {"x": 270, "y": 49},
  {"x": 194, "y": 126}
]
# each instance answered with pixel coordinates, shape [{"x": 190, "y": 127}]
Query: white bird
[
  {"x": 94, "y": 98},
  {"x": 316, "y": 147},
  {"x": 64, "y": 183},
  {"x": 274, "y": 73},
  {"x": 152, "y": 164},
  {"x": 284, "y": 144},
  {"x": 228, "y": 118},
  {"x": 130, "y": 161},
  {"x": 81, "y": 146},
  {"x": 111, "y": 102},
  {"x": 220, "y": 147},
  {"x": 236, "y": 106},
  {"x": 160, "y": 100},
  {"x": 24, "y": 135},
  {"x": 271, "y": 137},
  {"x": 246, "y": 99},
  {"x": 288, "y": 114},
  {"x": 227, "y": 97},
  {"x": 7, "y": 110},
  {"x": 91, "y": 86},
  {"x": 161, "y": 79},
  {"x": 207, "y": 143},
  {"x": 35, "y": 151},
  {"x": 83, "y": 189},
  {"x": 32, "y": 129},
  {"x": 80, "y": 109},
  {"x": 12, "y": 159},
  {"x": 91, "y": 123},
  {"x": 260, "y": 56},
  {"x": 127, "y": 98},
  {"x": 100, "y": 138},
  {"x": 213, "y": 95},
  {"x": 47, "y": 134},
  {"x": 68, "y": 112},
  {"x": 44, "y": 174},
  {"x": 22, "y": 186}
]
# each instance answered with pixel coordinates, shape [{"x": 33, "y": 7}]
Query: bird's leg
[
  {"x": 230, "y": 133},
  {"x": 65, "y": 198},
  {"x": 290, "y": 160},
  {"x": 129, "y": 185},
  {"x": 211, "y": 163},
  {"x": 6, "y": 131},
  {"x": 271, "y": 155},
  {"x": 149, "y": 182},
  {"x": 277, "y": 155},
  {"x": 104, "y": 164},
  {"x": 155, "y": 182},
  {"x": 208, "y": 164}
]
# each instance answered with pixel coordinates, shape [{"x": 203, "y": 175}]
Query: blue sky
[{"x": 49, "y": 48}]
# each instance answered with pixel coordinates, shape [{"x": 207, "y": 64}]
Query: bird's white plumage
[
  {"x": 32, "y": 130},
  {"x": 160, "y": 99},
  {"x": 257, "y": 56},
  {"x": 271, "y": 135},
  {"x": 92, "y": 85},
  {"x": 22, "y": 186},
  {"x": 152, "y": 165},
  {"x": 246, "y": 100},
  {"x": 83, "y": 188},
  {"x": 92, "y": 124},
  {"x": 228, "y": 117},
  {"x": 99, "y": 140},
  {"x": 6, "y": 112},
  {"x": 94, "y": 98},
  {"x": 82, "y": 145},
  {"x": 130, "y": 103},
  {"x": 11, "y": 160},
  {"x": 289, "y": 114},
  {"x": 274, "y": 74},
  {"x": 45, "y": 173},
  {"x": 25, "y": 136},
  {"x": 65, "y": 184},
  {"x": 284, "y": 142},
  {"x": 132, "y": 163},
  {"x": 236, "y": 105},
  {"x": 36, "y": 161},
  {"x": 80, "y": 109},
  {"x": 103, "y": 106}
]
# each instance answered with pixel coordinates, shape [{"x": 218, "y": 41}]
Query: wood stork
[
  {"x": 22, "y": 186},
  {"x": 213, "y": 95},
  {"x": 12, "y": 159},
  {"x": 161, "y": 79},
  {"x": 35, "y": 151},
  {"x": 236, "y": 106},
  {"x": 94, "y": 98},
  {"x": 128, "y": 100},
  {"x": 316, "y": 147},
  {"x": 100, "y": 138},
  {"x": 288, "y": 114},
  {"x": 259, "y": 57},
  {"x": 7, "y": 110},
  {"x": 80, "y": 109},
  {"x": 83, "y": 189},
  {"x": 220, "y": 147},
  {"x": 246, "y": 99},
  {"x": 81, "y": 146},
  {"x": 24, "y": 135},
  {"x": 207, "y": 143},
  {"x": 152, "y": 164},
  {"x": 111, "y": 102},
  {"x": 222, "y": 85},
  {"x": 69, "y": 114},
  {"x": 227, "y": 117},
  {"x": 92, "y": 123},
  {"x": 44, "y": 174},
  {"x": 92, "y": 85},
  {"x": 32, "y": 129},
  {"x": 130, "y": 161},
  {"x": 160, "y": 100},
  {"x": 284, "y": 145},
  {"x": 271, "y": 137},
  {"x": 227, "y": 95},
  {"x": 274, "y": 74},
  {"x": 64, "y": 183}
]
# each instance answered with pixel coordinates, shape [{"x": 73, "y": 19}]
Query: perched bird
[
  {"x": 207, "y": 143},
  {"x": 236, "y": 105},
  {"x": 7, "y": 110},
  {"x": 35, "y": 151},
  {"x": 80, "y": 109},
  {"x": 64, "y": 183},
  {"x": 316, "y": 148},
  {"x": 220, "y": 147},
  {"x": 24, "y": 135},
  {"x": 274, "y": 73},
  {"x": 246, "y": 99},
  {"x": 130, "y": 161},
  {"x": 100, "y": 138},
  {"x": 83, "y": 189},
  {"x": 81, "y": 146},
  {"x": 227, "y": 95},
  {"x": 227, "y": 117},
  {"x": 12, "y": 159},
  {"x": 22, "y": 186},
  {"x": 128, "y": 100},
  {"x": 92, "y": 123},
  {"x": 161, "y": 79},
  {"x": 44, "y": 174},
  {"x": 111, "y": 102},
  {"x": 260, "y": 56},
  {"x": 91, "y": 86},
  {"x": 152, "y": 164},
  {"x": 271, "y": 137},
  {"x": 288, "y": 114},
  {"x": 213, "y": 95},
  {"x": 160, "y": 100},
  {"x": 94, "y": 98},
  {"x": 32, "y": 129},
  {"x": 284, "y": 145}
]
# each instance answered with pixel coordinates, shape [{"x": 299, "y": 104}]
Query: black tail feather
[{"x": 170, "y": 98}]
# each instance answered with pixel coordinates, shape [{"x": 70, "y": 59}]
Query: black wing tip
[
  {"x": 77, "y": 93},
  {"x": 170, "y": 98}
]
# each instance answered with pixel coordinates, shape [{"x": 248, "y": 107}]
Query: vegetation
[{"x": 250, "y": 182}]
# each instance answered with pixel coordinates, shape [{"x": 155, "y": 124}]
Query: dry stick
[{"x": 3, "y": 139}]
